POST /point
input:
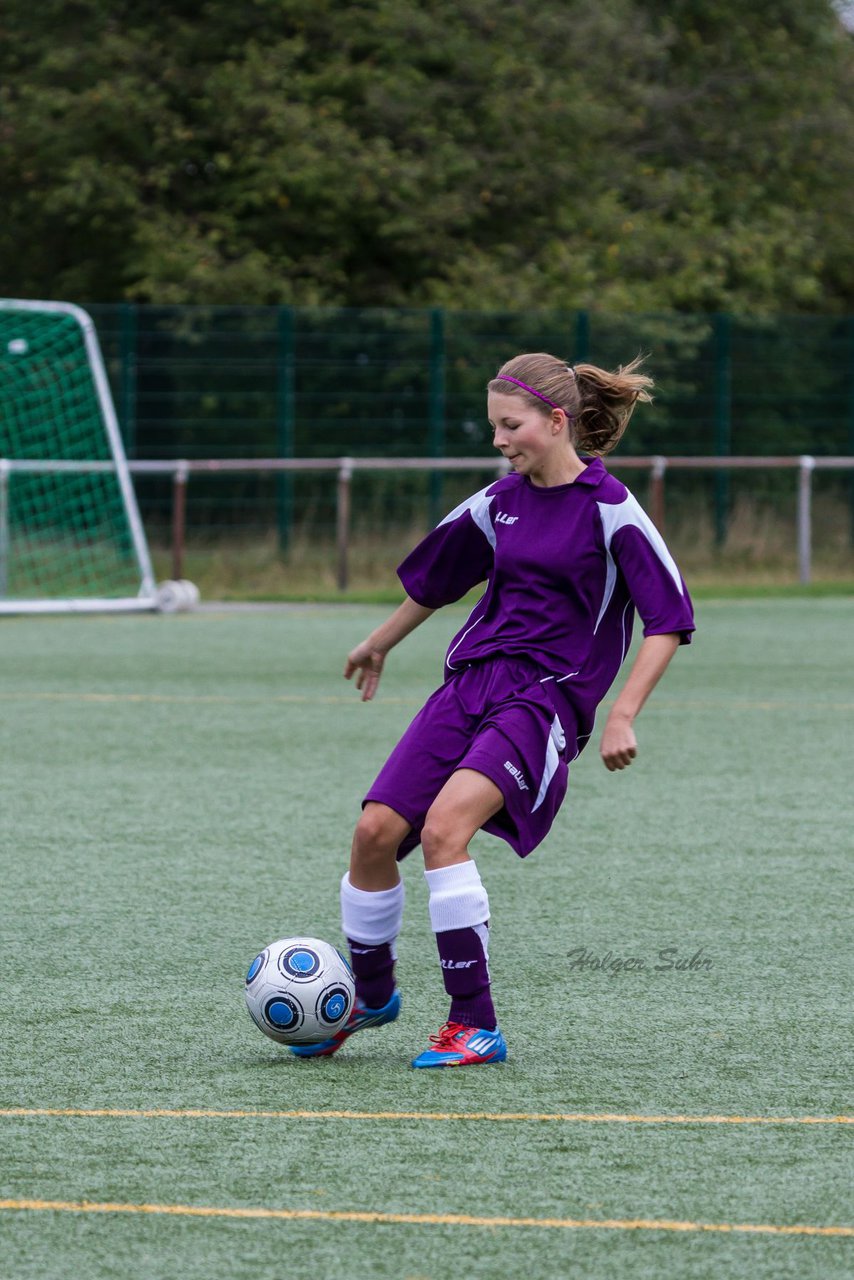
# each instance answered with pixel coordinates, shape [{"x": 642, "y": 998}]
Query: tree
[{"x": 689, "y": 154}]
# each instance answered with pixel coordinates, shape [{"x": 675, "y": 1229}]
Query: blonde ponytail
[{"x": 607, "y": 402}]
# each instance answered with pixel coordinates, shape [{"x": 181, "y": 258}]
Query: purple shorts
[{"x": 500, "y": 719}]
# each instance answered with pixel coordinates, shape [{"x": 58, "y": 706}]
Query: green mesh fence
[
  {"x": 208, "y": 382},
  {"x": 65, "y": 534}
]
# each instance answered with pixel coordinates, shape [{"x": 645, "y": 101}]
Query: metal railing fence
[{"x": 342, "y": 469}]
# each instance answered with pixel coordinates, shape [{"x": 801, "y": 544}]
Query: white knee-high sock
[
  {"x": 458, "y": 899},
  {"x": 371, "y": 917},
  {"x": 371, "y": 922}
]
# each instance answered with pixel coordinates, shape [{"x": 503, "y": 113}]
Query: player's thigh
[{"x": 466, "y": 801}]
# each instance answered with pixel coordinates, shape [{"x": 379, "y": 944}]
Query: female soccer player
[{"x": 567, "y": 555}]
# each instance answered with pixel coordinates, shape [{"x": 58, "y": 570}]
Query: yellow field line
[
  {"x": 559, "y": 1117},
  {"x": 183, "y": 698},
  {"x": 661, "y": 704},
  {"x": 422, "y": 1219},
  {"x": 693, "y": 704}
]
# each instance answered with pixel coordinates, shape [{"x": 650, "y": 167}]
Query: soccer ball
[{"x": 299, "y": 990}]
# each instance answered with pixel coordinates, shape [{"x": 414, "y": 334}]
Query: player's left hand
[
  {"x": 367, "y": 662},
  {"x": 619, "y": 746}
]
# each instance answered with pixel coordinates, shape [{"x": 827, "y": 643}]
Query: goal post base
[{"x": 135, "y": 604}]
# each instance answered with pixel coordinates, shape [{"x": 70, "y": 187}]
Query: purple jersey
[{"x": 565, "y": 569}]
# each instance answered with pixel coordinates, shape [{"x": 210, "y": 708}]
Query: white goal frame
[{"x": 146, "y": 598}]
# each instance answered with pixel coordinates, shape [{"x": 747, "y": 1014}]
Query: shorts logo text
[
  {"x": 458, "y": 964},
  {"x": 518, "y": 775}
]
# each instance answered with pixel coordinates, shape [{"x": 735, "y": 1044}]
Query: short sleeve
[
  {"x": 454, "y": 557},
  {"x": 649, "y": 571}
]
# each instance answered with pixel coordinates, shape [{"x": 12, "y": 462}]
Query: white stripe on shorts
[{"x": 556, "y": 744}]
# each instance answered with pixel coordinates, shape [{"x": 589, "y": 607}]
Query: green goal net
[{"x": 70, "y": 534}]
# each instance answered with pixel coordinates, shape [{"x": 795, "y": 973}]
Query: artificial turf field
[{"x": 178, "y": 791}]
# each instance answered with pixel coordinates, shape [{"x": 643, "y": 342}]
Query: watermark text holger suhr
[{"x": 665, "y": 960}]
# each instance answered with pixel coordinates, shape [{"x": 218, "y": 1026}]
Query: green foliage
[{"x": 690, "y": 154}]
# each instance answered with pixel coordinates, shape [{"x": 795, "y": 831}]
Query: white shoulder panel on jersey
[
  {"x": 478, "y": 504},
  {"x": 629, "y": 513}
]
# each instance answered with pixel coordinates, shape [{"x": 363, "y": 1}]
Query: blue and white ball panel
[
  {"x": 333, "y": 1006},
  {"x": 256, "y": 966},
  {"x": 283, "y": 1013},
  {"x": 300, "y": 963},
  {"x": 257, "y": 1019}
]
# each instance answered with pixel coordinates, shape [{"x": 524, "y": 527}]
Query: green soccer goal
[{"x": 71, "y": 538}]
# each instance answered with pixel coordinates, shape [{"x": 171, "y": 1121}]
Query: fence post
[
  {"x": 127, "y": 376},
  {"x": 582, "y": 337},
  {"x": 656, "y": 492},
  {"x": 179, "y": 517},
  {"x": 4, "y": 526},
  {"x": 805, "y": 470},
  {"x": 723, "y": 421},
  {"x": 851, "y": 419},
  {"x": 285, "y": 422},
  {"x": 342, "y": 523},
  {"x": 437, "y": 408}
]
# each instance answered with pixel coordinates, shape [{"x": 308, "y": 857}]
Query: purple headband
[{"x": 502, "y": 377}]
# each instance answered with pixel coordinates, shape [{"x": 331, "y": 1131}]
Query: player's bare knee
[
  {"x": 376, "y": 837},
  {"x": 441, "y": 842}
]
